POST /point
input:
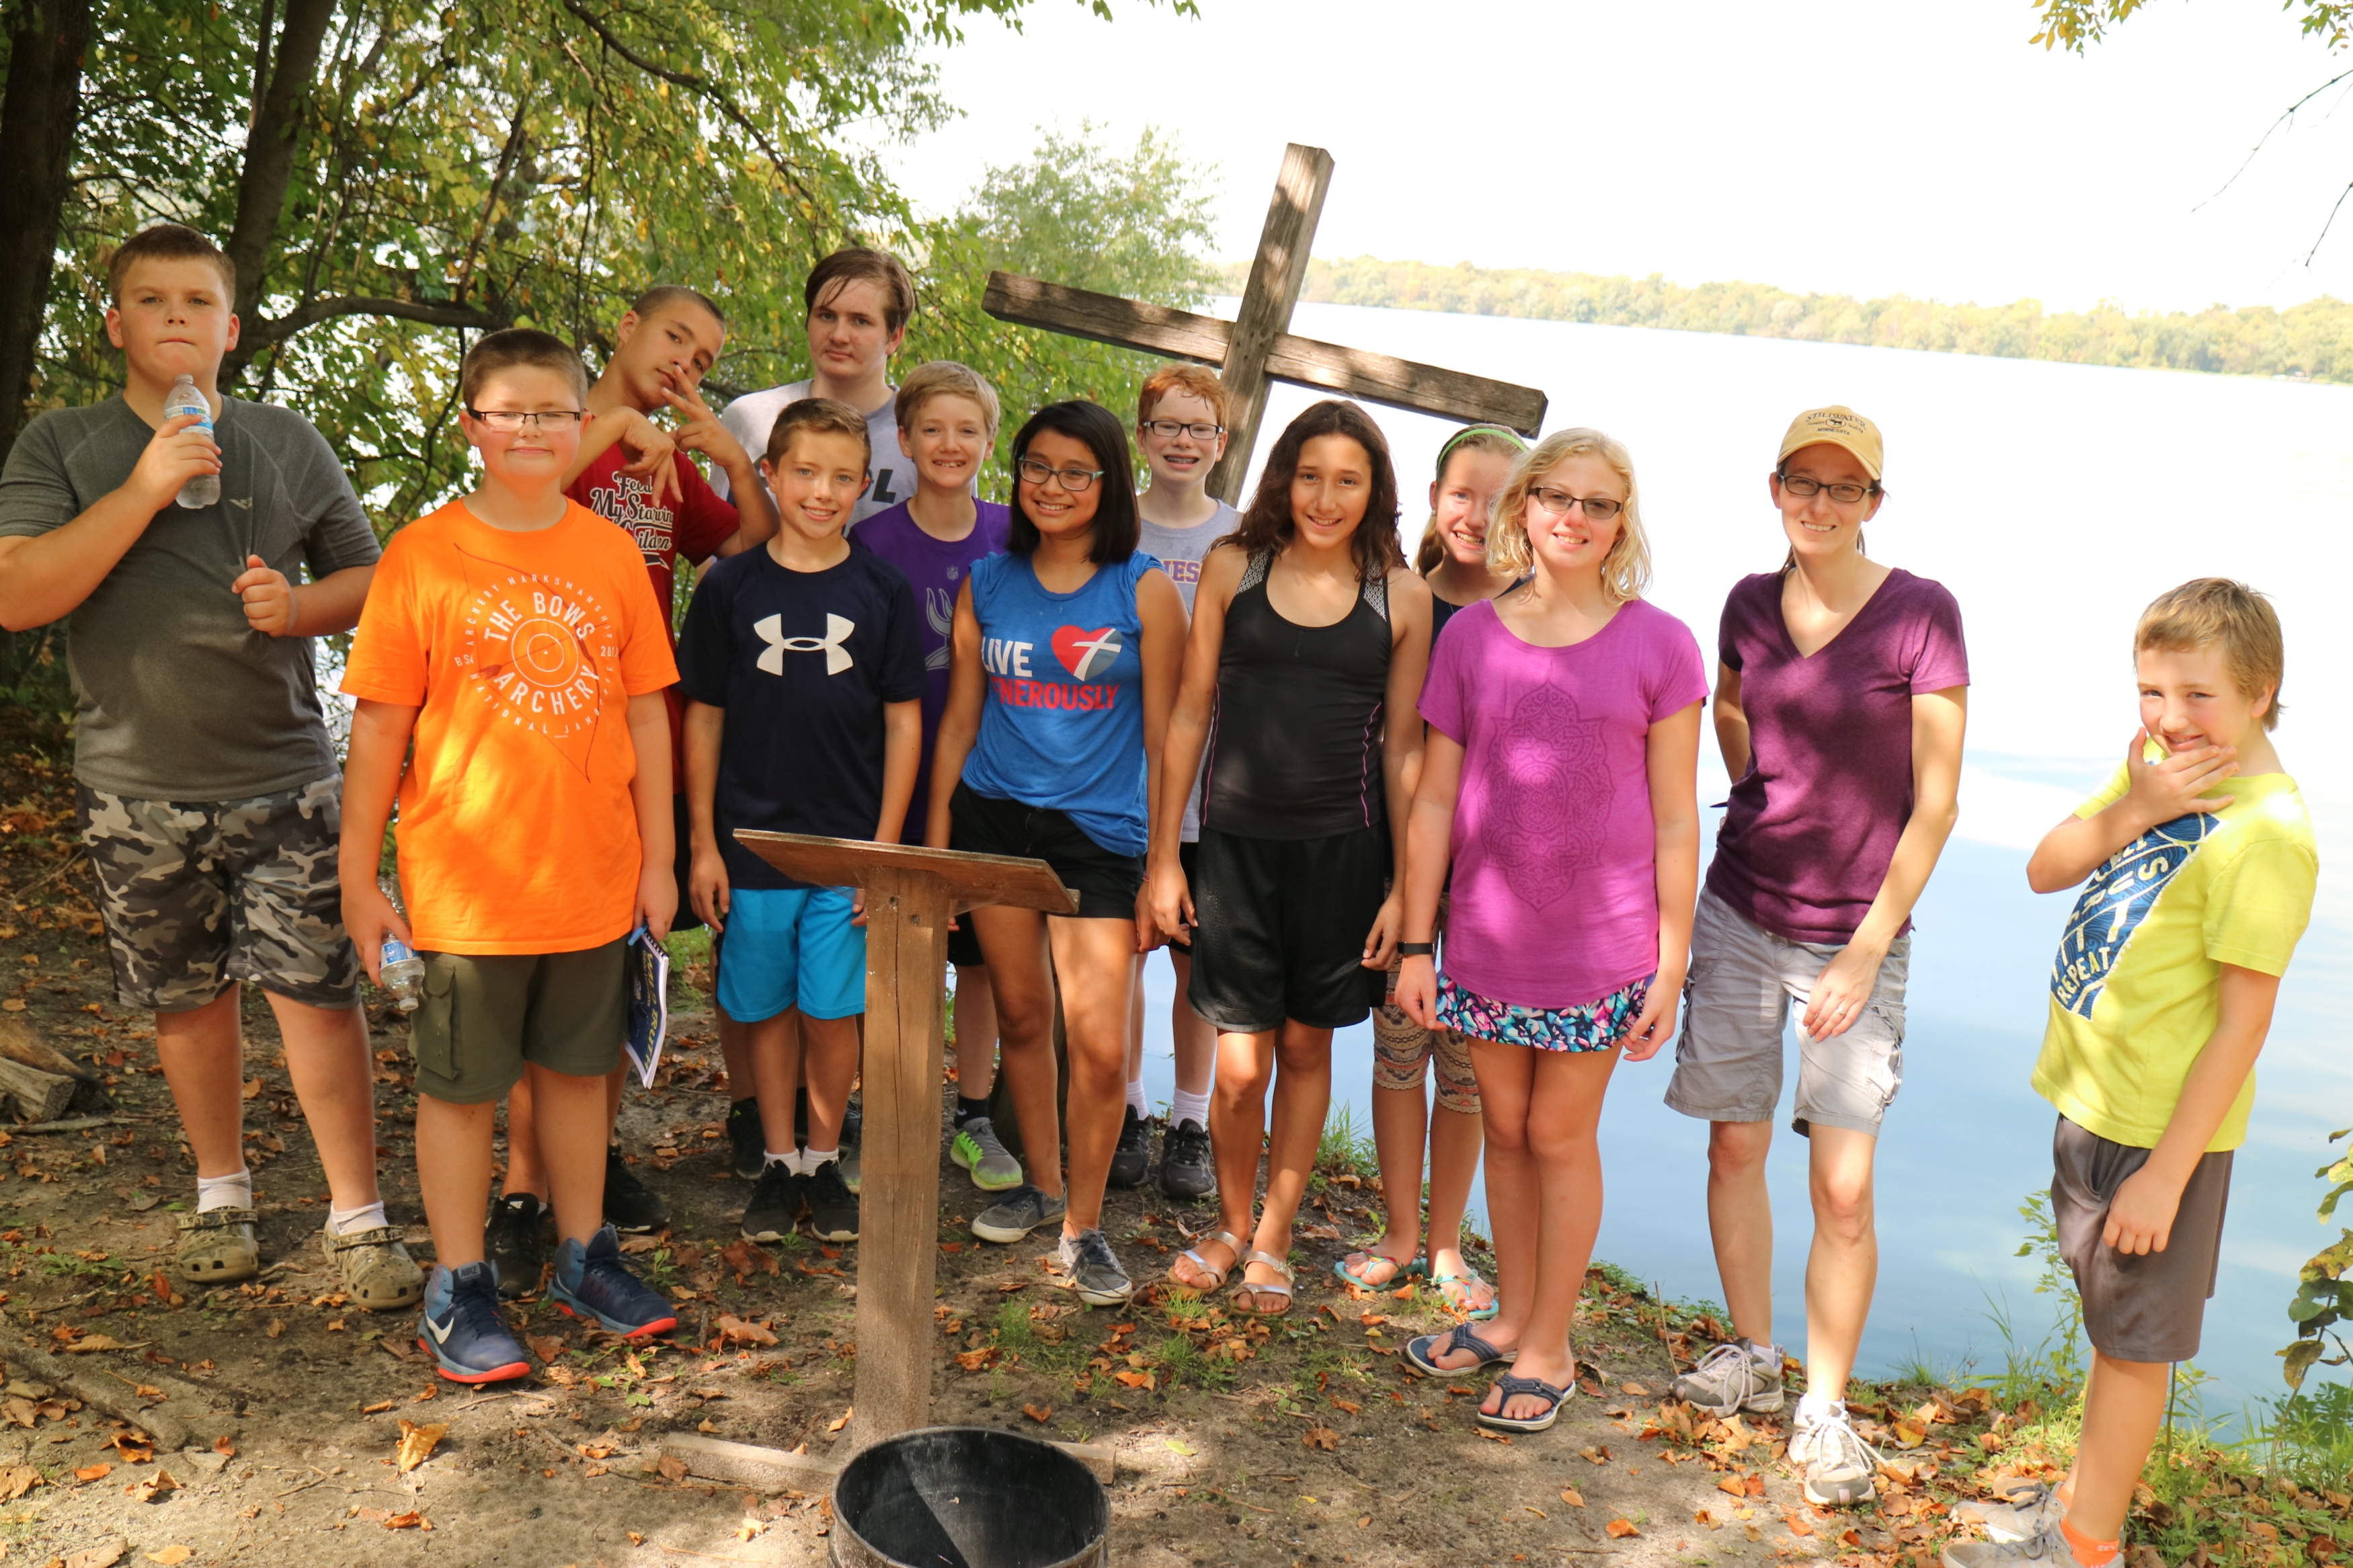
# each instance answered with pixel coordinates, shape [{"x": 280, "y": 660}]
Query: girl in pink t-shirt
[{"x": 1560, "y": 782}]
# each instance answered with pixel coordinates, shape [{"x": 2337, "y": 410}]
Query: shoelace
[
  {"x": 1094, "y": 1252},
  {"x": 1838, "y": 1442},
  {"x": 476, "y": 1312},
  {"x": 1713, "y": 1364}
]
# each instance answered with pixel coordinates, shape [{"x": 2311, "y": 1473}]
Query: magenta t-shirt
[
  {"x": 1812, "y": 824},
  {"x": 1554, "y": 897}
]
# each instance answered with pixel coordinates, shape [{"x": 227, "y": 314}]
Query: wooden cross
[
  {"x": 909, "y": 892},
  {"x": 1257, "y": 346}
]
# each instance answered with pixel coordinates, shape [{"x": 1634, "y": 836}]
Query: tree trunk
[
  {"x": 269, "y": 166},
  {"x": 37, "y": 126}
]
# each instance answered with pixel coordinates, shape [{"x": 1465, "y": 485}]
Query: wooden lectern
[{"x": 909, "y": 893}]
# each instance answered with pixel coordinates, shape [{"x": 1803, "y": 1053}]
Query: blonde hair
[
  {"x": 1626, "y": 569},
  {"x": 946, "y": 378},
  {"x": 2205, "y": 611},
  {"x": 1431, "y": 553}
]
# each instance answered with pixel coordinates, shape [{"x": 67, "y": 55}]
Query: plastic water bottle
[
  {"x": 402, "y": 972},
  {"x": 183, "y": 398}
]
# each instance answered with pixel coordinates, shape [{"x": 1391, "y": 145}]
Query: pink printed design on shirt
[{"x": 1551, "y": 805}]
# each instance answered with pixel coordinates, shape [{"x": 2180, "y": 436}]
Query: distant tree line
[{"x": 2314, "y": 339}]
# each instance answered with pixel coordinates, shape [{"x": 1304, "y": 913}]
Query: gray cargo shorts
[
  {"x": 197, "y": 894},
  {"x": 1735, "y": 1007}
]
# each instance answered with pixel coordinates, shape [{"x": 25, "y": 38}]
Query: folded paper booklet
[{"x": 649, "y": 1003}]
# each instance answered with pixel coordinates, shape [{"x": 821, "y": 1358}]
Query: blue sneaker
[
  {"x": 461, "y": 1326},
  {"x": 591, "y": 1281}
]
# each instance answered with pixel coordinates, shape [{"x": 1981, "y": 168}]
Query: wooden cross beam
[{"x": 1257, "y": 346}]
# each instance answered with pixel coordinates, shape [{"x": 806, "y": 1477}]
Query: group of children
[{"x": 1240, "y": 735}]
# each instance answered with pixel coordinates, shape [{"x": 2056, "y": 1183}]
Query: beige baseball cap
[{"x": 1838, "y": 426}]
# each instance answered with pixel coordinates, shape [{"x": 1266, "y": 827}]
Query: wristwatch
[{"x": 1416, "y": 949}]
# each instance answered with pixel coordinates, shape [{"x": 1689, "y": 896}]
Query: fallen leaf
[
  {"x": 1798, "y": 1522},
  {"x": 1751, "y": 1532},
  {"x": 1754, "y": 1486},
  {"x": 93, "y": 1342},
  {"x": 1636, "y": 1389},
  {"x": 838, "y": 1422},
  {"x": 1040, "y": 1414},
  {"x": 546, "y": 1347},
  {"x": 1733, "y": 1486},
  {"x": 707, "y": 1427},
  {"x": 133, "y": 1450},
  {"x": 172, "y": 1555},
  {"x": 379, "y": 1407},
  {"x": 1619, "y": 1529},
  {"x": 672, "y": 1468},
  {"x": 96, "y": 1472},
  {"x": 156, "y": 1489},
  {"x": 15, "y": 1480},
  {"x": 635, "y": 1538},
  {"x": 276, "y": 1329},
  {"x": 253, "y": 1089},
  {"x": 1174, "y": 1446},
  {"x": 1322, "y": 1437},
  {"x": 1851, "y": 1538},
  {"x": 417, "y": 1443},
  {"x": 1572, "y": 1497},
  {"x": 411, "y": 1521},
  {"x": 1346, "y": 1405},
  {"x": 1595, "y": 1455},
  {"x": 105, "y": 1556},
  {"x": 730, "y": 1326}
]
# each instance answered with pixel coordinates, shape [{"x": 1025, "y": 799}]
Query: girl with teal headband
[{"x": 1473, "y": 465}]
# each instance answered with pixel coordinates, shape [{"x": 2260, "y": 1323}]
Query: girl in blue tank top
[{"x": 1064, "y": 665}]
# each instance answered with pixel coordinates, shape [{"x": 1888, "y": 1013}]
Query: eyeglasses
[
  {"x": 515, "y": 418},
  {"x": 1075, "y": 480},
  {"x": 1601, "y": 508},
  {"x": 1805, "y": 488},
  {"x": 1169, "y": 429}
]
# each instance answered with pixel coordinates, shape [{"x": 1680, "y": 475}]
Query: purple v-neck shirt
[{"x": 1812, "y": 824}]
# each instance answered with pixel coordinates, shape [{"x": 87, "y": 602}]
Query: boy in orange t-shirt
[{"x": 513, "y": 637}]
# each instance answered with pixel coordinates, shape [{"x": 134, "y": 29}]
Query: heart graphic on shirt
[{"x": 1086, "y": 654}]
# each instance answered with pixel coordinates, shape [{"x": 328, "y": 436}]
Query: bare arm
[
  {"x": 650, "y": 790},
  {"x": 649, "y": 446},
  {"x": 380, "y": 732},
  {"x": 1671, "y": 763},
  {"x": 707, "y": 881},
  {"x": 46, "y": 578},
  {"x": 755, "y": 509},
  {"x": 1428, "y": 845},
  {"x": 1402, "y": 744},
  {"x": 960, "y": 721},
  {"x": 1939, "y": 721},
  {"x": 2160, "y": 791},
  {"x": 1188, "y": 735},
  {"x": 2140, "y": 1217},
  {"x": 1731, "y": 721},
  {"x": 289, "y": 609},
  {"x": 1160, "y": 610},
  {"x": 903, "y": 749}
]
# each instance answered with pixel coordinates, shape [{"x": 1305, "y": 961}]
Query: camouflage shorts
[{"x": 196, "y": 895}]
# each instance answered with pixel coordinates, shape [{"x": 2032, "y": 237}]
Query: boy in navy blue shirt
[{"x": 803, "y": 667}]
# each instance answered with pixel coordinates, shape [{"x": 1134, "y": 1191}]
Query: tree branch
[
  {"x": 269, "y": 162},
  {"x": 261, "y": 334},
  {"x": 694, "y": 82}
]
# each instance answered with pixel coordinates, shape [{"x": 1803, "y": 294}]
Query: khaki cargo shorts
[{"x": 486, "y": 1015}]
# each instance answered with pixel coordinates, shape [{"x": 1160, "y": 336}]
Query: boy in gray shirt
[{"x": 207, "y": 788}]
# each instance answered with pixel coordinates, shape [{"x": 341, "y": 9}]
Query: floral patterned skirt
[{"x": 1594, "y": 1026}]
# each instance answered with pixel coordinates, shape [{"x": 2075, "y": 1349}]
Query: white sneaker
[
  {"x": 1837, "y": 1464},
  {"x": 2027, "y": 1510}
]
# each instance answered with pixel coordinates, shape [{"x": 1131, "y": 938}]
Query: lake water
[{"x": 2055, "y": 501}]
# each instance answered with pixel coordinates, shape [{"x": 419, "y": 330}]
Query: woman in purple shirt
[{"x": 1839, "y": 708}]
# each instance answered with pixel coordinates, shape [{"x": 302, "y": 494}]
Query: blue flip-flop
[
  {"x": 1510, "y": 1384},
  {"x": 1407, "y": 1273},
  {"x": 1463, "y": 1338}
]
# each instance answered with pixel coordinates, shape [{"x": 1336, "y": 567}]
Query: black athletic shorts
[
  {"x": 1106, "y": 882},
  {"x": 1282, "y": 929},
  {"x": 682, "y": 864},
  {"x": 1188, "y": 860}
]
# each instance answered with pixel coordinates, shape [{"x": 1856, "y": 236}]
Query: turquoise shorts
[{"x": 792, "y": 947}]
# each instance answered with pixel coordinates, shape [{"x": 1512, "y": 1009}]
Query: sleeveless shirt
[
  {"x": 1061, "y": 720},
  {"x": 1295, "y": 738}
]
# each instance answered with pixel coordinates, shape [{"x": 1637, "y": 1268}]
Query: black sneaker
[
  {"x": 629, "y": 1204},
  {"x": 833, "y": 1207},
  {"x": 514, "y": 1241},
  {"x": 749, "y": 1144},
  {"x": 1186, "y": 1167},
  {"x": 1132, "y": 1158},
  {"x": 777, "y": 1204}
]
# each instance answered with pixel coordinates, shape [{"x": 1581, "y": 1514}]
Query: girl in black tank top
[{"x": 1309, "y": 643}]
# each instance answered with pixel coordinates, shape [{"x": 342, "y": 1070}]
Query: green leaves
[{"x": 2323, "y": 1297}]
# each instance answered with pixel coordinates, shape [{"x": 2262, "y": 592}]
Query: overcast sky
[{"x": 1867, "y": 148}]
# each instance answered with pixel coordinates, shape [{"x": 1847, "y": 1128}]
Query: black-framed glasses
[
  {"x": 1601, "y": 508},
  {"x": 1075, "y": 480},
  {"x": 1843, "y": 492},
  {"x": 515, "y": 418},
  {"x": 1169, "y": 429}
]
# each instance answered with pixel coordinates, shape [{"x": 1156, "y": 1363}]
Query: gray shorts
[
  {"x": 1737, "y": 1006},
  {"x": 197, "y": 894},
  {"x": 2146, "y": 1308}
]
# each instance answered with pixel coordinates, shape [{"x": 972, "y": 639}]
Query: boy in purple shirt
[
  {"x": 947, "y": 427},
  {"x": 1840, "y": 709}
]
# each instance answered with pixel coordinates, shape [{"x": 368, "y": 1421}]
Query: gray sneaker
[
  {"x": 979, "y": 1151},
  {"x": 1734, "y": 1377},
  {"x": 1095, "y": 1269},
  {"x": 1837, "y": 1464},
  {"x": 1018, "y": 1213},
  {"x": 2025, "y": 1511},
  {"x": 2048, "y": 1546}
]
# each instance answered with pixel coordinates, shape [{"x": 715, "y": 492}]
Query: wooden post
[
  {"x": 909, "y": 892},
  {"x": 1276, "y": 276}
]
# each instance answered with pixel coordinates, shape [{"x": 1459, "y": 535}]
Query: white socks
[
  {"x": 790, "y": 1159},
  {"x": 1814, "y": 1408},
  {"x": 225, "y": 1192},
  {"x": 1137, "y": 1102},
  {"x": 367, "y": 1216},
  {"x": 1192, "y": 1108},
  {"x": 802, "y": 1162}
]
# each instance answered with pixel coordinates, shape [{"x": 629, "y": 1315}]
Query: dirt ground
[{"x": 1300, "y": 1440}]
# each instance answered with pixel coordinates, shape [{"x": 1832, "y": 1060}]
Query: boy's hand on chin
[{"x": 2169, "y": 789}]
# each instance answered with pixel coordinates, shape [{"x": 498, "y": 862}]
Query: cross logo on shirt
[{"x": 771, "y": 630}]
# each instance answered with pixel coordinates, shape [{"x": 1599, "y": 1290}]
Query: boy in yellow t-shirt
[
  {"x": 514, "y": 638},
  {"x": 2202, "y": 865}
]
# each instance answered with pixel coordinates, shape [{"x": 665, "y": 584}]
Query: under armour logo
[{"x": 837, "y": 632}]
